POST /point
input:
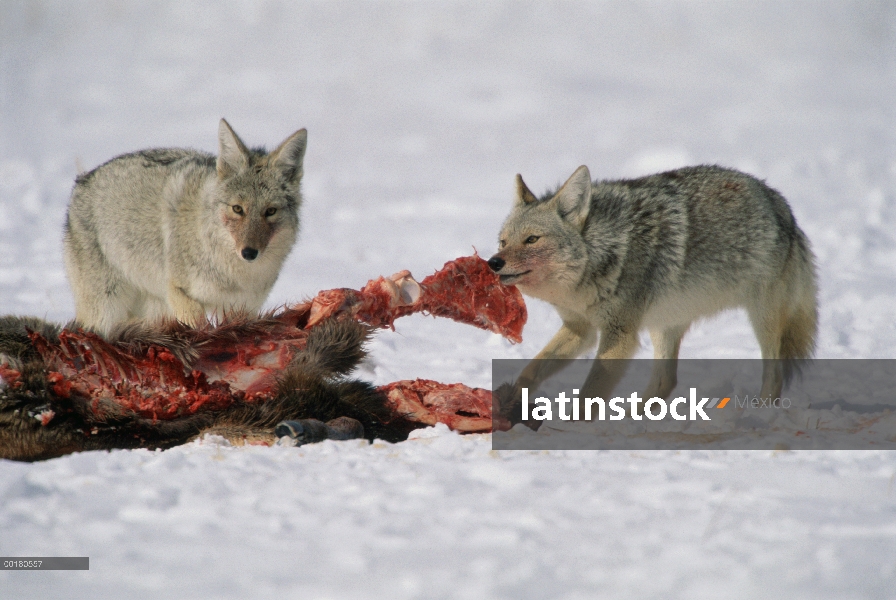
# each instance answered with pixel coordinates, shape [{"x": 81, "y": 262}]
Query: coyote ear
[
  {"x": 574, "y": 198},
  {"x": 288, "y": 156},
  {"x": 232, "y": 152},
  {"x": 523, "y": 194}
]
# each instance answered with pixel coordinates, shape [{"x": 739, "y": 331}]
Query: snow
[{"x": 419, "y": 116}]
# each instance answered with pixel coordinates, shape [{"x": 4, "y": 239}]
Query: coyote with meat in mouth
[{"x": 658, "y": 253}]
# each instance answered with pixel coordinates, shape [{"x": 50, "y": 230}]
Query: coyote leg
[{"x": 664, "y": 377}]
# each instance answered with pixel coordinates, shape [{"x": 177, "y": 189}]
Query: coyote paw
[{"x": 508, "y": 402}]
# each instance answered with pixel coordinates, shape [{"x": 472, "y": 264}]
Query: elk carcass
[{"x": 157, "y": 385}]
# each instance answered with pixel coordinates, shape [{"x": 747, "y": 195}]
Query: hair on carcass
[{"x": 36, "y": 423}]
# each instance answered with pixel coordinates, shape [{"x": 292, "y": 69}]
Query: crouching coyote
[{"x": 657, "y": 253}]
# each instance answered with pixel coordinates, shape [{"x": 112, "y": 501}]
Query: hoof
[
  {"x": 345, "y": 428},
  {"x": 304, "y": 431},
  {"x": 310, "y": 431},
  {"x": 290, "y": 433}
]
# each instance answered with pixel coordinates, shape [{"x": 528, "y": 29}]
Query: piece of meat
[
  {"x": 210, "y": 368},
  {"x": 152, "y": 383},
  {"x": 461, "y": 408},
  {"x": 465, "y": 290}
]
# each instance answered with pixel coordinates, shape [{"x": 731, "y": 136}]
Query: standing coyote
[
  {"x": 180, "y": 233},
  {"x": 658, "y": 253}
]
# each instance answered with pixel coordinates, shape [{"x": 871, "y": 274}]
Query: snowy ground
[{"x": 419, "y": 115}]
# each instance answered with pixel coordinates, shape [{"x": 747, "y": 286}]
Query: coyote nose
[
  {"x": 496, "y": 263},
  {"x": 249, "y": 253}
]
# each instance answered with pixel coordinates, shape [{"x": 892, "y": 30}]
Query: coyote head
[
  {"x": 541, "y": 245},
  {"x": 258, "y": 193}
]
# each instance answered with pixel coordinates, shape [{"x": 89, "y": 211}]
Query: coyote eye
[
  {"x": 270, "y": 212},
  {"x": 532, "y": 239},
  {"x": 502, "y": 243},
  {"x": 237, "y": 209}
]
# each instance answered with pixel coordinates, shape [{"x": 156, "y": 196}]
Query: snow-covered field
[{"x": 419, "y": 116}]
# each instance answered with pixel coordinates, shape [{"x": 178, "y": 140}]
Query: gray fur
[
  {"x": 178, "y": 233},
  {"x": 657, "y": 253}
]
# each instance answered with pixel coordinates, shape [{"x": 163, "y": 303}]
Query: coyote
[
  {"x": 171, "y": 232},
  {"x": 658, "y": 253}
]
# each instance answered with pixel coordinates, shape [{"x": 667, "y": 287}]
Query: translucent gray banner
[
  {"x": 715, "y": 404},
  {"x": 44, "y": 563}
]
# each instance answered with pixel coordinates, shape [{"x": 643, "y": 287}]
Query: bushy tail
[{"x": 800, "y": 327}]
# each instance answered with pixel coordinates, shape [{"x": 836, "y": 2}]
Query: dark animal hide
[{"x": 37, "y": 423}]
